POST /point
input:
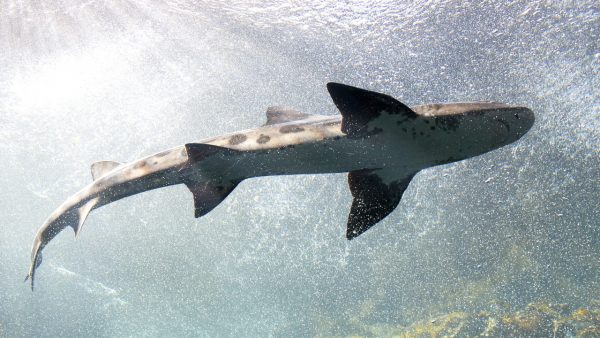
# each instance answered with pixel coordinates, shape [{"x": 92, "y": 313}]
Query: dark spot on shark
[
  {"x": 162, "y": 154},
  {"x": 290, "y": 129},
  {"x": 237, "y": 139},
  {"x": 448, "y": 123},
  {"x": 426, "y": 121},
  {"x": 263, "y": 139},
  {"x": 404, "y": 130},
  {"x": 421, "y": 133},
  {"x": 139, "y": 165},
  {"x": 220, "y": 188},
  {"x": 432, "y": 127}
]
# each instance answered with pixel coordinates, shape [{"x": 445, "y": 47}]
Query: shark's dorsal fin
[
  {"x": 209, "y": 193},
  {"x": 280, "y": 114},
  {"x": 101, "y": 168},
  {"x": 360, "y": 106},
  {"x": 375, "y": 197}
]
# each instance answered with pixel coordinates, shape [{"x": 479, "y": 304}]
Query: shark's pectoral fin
[
  {"x": 375, "y": 197},
  {"x": 210, "y": 191},
  {"x": 101, "y": 168},
  {"x": 359, "y": 107}
]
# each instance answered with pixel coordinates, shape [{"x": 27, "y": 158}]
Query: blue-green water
[{"x": 116, "y": 80}]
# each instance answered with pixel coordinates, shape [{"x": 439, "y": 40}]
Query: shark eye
[{"x": 517, "y": 115}]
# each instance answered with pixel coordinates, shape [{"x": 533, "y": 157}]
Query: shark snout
[
  {"x": 515, "y": 122},
  {"x": 527, "y": 118}
]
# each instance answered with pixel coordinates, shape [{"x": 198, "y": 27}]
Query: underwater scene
[{"x": 500, "y": 243}]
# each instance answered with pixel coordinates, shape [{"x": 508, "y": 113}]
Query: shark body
[{"x": 379, "y": 141}]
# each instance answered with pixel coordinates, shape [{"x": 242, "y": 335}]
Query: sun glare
[{"x": 68, "y": 78}]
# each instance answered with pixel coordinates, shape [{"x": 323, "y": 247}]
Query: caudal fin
[
  {"x": 36, "y": 261},
  {"x": 73, "y": 217}
]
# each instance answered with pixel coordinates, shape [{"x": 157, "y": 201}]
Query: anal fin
[
  {"x": 374, "y": 198},
  {"x": 82, "y": 214}
]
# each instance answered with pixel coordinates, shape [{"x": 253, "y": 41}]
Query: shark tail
[
  {"x": 36, "y": 261},
  {"x": 73, "y": 217}
]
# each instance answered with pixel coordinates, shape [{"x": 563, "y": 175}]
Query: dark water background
[{"x": 95, "y": 80}]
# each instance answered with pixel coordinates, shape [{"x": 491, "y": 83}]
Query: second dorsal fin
[
  {"x": 101, "y": 168},
  {"x": 280, "y": 114}
]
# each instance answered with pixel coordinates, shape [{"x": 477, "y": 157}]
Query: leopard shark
[{"x": 380, "y": 142}]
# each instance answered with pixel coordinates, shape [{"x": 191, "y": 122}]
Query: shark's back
[{"x": 379, "y": 141}]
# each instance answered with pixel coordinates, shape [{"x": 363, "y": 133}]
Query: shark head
[
  {"x": 493, "y": 125},
  {"x": 515, "y": 120},
  {"x": 464, "y": 130}
]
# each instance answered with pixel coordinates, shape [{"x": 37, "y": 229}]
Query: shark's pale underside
[{"x": 378, "y": 141}]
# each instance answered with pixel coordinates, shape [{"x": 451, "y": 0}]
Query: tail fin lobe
[{"x": 36, "y": 260}]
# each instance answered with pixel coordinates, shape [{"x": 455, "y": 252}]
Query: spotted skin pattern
[{"x": 388, "y": 144}]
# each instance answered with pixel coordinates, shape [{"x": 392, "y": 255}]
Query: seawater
[{"x": 510, "y": 237}]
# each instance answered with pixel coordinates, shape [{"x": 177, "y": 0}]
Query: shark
[{"x": 380, "y": 142}]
